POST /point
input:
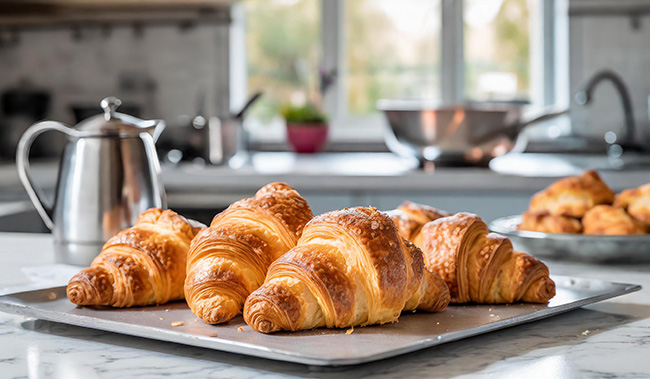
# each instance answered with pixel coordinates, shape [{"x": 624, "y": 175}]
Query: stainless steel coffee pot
[{"x": 109, "y": 173}]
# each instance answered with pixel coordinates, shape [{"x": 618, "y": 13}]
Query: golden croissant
[
  {"x": 229, "y": 260},
  {"x": 141, "y": 265},
  {"x": 411, "y": 217},
  {"x": 637, "y": 203},
  {"x": 481, "y": 267},
  {"x": 350, "y": 268},
  {"x": 611, "y": 220},
  {"x": 547, "y": 223},
  {"x": 572, "y": 196}
]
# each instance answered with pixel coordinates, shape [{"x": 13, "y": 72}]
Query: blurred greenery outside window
[
  {"x": 390, "y": 49},
  {"x": 497, "y": 49}
]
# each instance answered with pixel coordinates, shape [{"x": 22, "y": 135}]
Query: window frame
[{"x": 547, "y": 88}]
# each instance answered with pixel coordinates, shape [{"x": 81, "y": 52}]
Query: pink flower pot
[{"x": 306, "y": 137}]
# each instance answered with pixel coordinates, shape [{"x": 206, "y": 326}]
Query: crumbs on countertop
[
  {"x": 161, "y": 318},
  {"x": 349, "y": 331},
  {"x": 240, "y": 329},
  {"x": 585, "y": 333},
  {"x": 178, "y": 323}
]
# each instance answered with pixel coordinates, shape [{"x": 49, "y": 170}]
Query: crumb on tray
[
  {"x": 51, "y": 296},
  {"x": 178, "y": 323},
  {"x": 585, "y": 333},
  {"x": 349, "y": 331},
  {"x": 161, "y": 318},
  {"x": 240, "y": 329}
]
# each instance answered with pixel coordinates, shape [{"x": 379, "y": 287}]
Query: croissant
[
  {"x": 611, "y": 220},
  {"x": 573, "y": 196},
  {"x": 637, "y": 203},
  {"x": 546, "y": 223},
  {"x": 141, "y": 265},
  {"x": 350, "y": 268},
  {"x": 229, "y": 260},
  {"x": 410, "y": 218},
  {"x": 481, "y": 267}
]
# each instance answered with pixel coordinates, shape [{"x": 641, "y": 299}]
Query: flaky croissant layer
[
  {"x": 350, "y": 267},
  {"x": 141, "y": 265},
  {"x": 482, "y": 267},
  {"x": 229, "y": 260}
]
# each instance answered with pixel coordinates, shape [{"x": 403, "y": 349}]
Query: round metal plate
[{"x": 575, "y": 247}]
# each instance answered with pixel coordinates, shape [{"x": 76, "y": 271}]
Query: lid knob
[{"x": 109, "y": 105}]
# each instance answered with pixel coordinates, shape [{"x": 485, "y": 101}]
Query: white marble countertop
[{"x": 609, "y": 339}]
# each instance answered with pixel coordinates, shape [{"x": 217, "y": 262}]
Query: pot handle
[
  {"x": 22, "y": 163},
  {"x": 546, "y": 114}
]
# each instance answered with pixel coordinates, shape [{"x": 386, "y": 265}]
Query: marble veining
[{"x": 609, "y": 339}]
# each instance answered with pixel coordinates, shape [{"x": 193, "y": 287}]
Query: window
[
  {"x": 392, "y": 50},
  {"x": 497, "y": 50},
  {"x": 283, "y": 51},
  {"x": 347, "y": 54}
]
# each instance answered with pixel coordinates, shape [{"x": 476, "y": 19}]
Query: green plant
[{"x": 303, "y": 114}]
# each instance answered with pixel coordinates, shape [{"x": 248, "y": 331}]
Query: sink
[{"x": 554, "y": 165}]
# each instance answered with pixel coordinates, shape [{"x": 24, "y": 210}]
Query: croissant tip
[
  {"x": 75, "y": 295},
  {"x": 259, "y": 315},
  {"x": 266, "y": 326},
  {"x": 89, "y": 287},
  {"x": 217, "y": 316},
  {"x": 79, "y": 294}
]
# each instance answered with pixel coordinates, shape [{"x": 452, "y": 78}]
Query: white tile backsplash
[
  {"x": 180, "y": 62},
  {"x": 606, "y": 41}
]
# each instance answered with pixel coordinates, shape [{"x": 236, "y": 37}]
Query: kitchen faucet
[{"x": 584, "y": 96}]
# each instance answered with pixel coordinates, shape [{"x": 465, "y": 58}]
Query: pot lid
[{"x": 112, "y": 122}]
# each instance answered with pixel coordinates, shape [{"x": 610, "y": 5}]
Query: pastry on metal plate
[
  {"x": 141, "y": 265},
  {"x": 611, "y": 220},
  {"x": 637, "y": 203},
  {"x": 572, "y": 196},
  {"x": 546, "y": 223},
  {"x": 482, "y": 267},
  {"x": 350, "y": 268},
  {"x": 229, "y": 260},
  {"x": 410, "y": 218}
]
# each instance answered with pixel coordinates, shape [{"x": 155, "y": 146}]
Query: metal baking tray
[
  {"x": 322, "y": 347},
  {"x": 575, "y": 247}
]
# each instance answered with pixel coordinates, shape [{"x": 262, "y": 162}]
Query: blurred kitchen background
[{"x": 196, "y": 63}]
